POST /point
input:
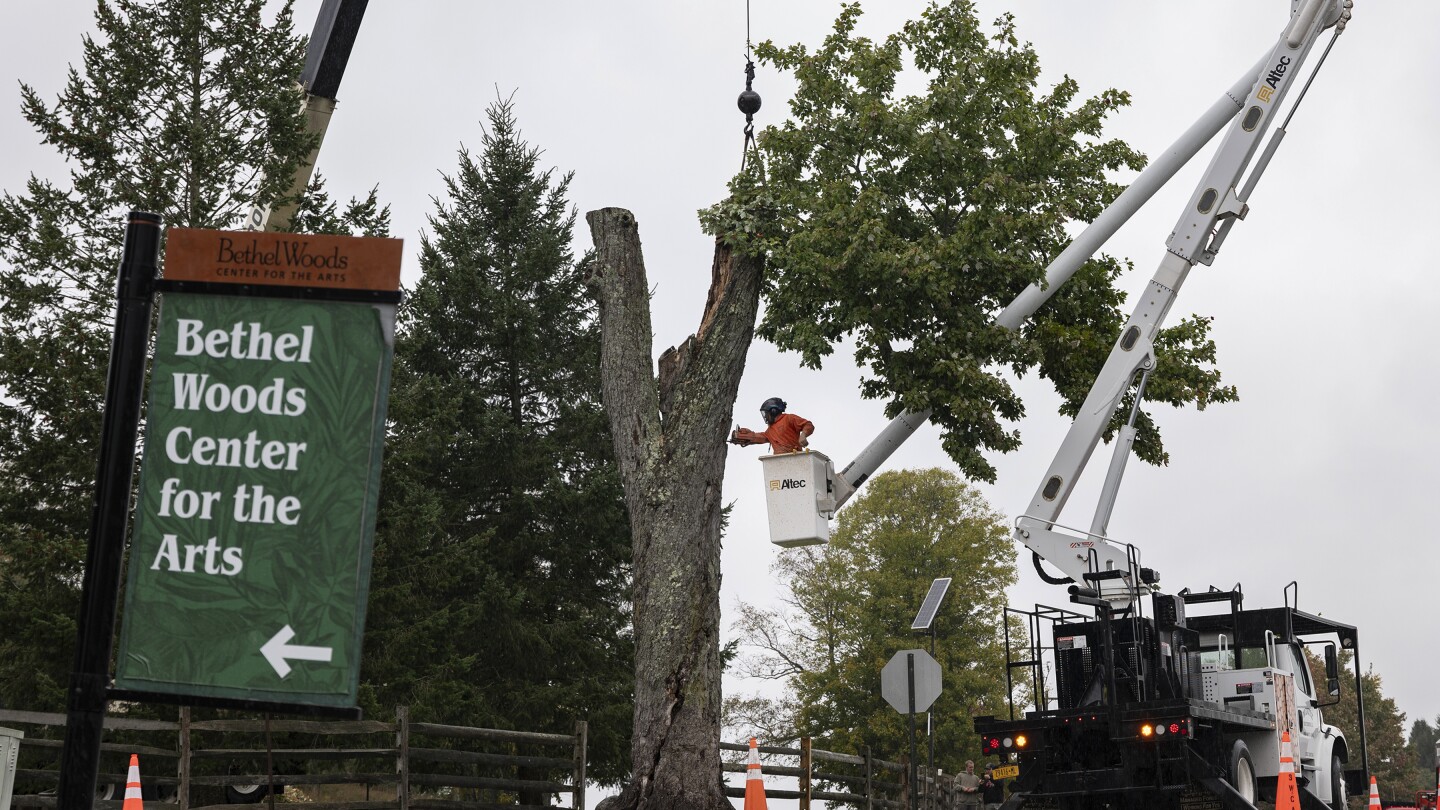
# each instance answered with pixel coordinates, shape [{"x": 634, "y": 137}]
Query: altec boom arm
[
  {"x": 1249, "y": 107},
  {"x": 336, "y": 27},
  {"x": 1112, "y": 570}
]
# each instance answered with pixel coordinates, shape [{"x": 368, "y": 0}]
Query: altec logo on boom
[{"x": 1277, "y": 73}]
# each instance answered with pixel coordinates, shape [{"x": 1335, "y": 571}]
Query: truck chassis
[{"x": 1169, "y": 712}]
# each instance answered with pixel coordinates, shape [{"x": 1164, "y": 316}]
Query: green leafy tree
[
  {"x": 848, "y": 609},
  {"x": 186, "y": 108},
  {"x": 906, "y": 223},
  {"x": 502, "y": 558}
]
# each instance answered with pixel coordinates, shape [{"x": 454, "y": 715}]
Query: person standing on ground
[
  {"x": 786, "y": 432},
  {"x": 969, "y": 785},
  {"x": 992, "y": 790}
]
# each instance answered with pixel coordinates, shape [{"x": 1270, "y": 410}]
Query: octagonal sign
[{"x": 895, "y": 680}]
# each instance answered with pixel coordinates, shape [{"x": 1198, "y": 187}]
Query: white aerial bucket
[{"x": 798, "y": 498}]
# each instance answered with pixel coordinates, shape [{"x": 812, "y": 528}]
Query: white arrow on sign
[{"x": 279, "y": 648}]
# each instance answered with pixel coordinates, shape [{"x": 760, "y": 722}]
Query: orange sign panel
[{"x": 283, "y": 259}]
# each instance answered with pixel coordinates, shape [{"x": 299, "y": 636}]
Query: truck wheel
[
  {"x": 1242, "y": 771},
  {"x": 1337, "y": 784},
  {"x": 246, "y": 794},
  {"x": 251, "y": 793}
]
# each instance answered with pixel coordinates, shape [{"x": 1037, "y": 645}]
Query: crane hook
[{"x": 749, "y": 103}]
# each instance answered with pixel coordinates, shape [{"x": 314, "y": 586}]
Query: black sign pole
[
  {"x": 914, "y": 783},
  {"x": 930, "y": 723},
  {"x": 100, "y": 588}
]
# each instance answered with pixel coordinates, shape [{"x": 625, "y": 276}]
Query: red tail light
[{"x": 1160, "y": 729}]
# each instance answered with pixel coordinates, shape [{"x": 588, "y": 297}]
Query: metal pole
[
  {"x": 930, "y": 726},
  {"x": 1360, "y": 712},
  {"x": 100, "y": 587},
  {"x": 910, "y": 675}
]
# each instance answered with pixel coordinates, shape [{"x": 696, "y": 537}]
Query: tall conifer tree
[
  {"x": 186, "y": 108},
  {"x": 502, "y": 562}
]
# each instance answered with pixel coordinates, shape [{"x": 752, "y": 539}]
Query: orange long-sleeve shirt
[{"x": 784, "y": 433}]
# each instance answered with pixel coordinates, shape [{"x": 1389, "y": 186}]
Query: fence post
[
  {"x": 806, "y": 764},
  {"x": 402, "y": 755},
  {"x": 184, "y": 766},
  {"x": 869, "y": 780},
  {"x": 582, "y": 732}
]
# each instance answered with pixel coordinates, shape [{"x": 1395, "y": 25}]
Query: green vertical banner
[{"x": 250, "y": 552}]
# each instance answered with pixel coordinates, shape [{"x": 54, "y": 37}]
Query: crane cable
[{"x": 749, "y": 103}]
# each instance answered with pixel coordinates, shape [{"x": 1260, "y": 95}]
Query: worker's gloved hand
[
  {"x": 743, "y": 436},
  {"x": 804, "y": 441}
]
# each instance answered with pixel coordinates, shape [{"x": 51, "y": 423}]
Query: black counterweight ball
[{"x": 749, "y": 102}]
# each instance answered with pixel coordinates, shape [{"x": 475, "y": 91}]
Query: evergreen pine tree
[
  {"x": 186, "y": 108},
  {"x": 499, "y": 596}
]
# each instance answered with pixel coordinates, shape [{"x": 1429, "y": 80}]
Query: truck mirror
[{"x": 1332, "y": 671}]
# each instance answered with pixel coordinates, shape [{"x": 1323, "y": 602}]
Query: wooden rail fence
[
  {"x": 428, "y": 766},
  {"x": 862, "y": 781}
]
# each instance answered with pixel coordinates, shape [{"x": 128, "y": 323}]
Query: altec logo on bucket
[{"x": 787, "y": 483}]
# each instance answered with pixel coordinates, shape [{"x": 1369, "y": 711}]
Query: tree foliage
[
  {"x": 502, "y": 558},
  {"x": 906, "y": 223},
  {"x": 848, "y": 608},
  {"x": 318, "y": 213},
  {"x": 185, "y": 108},
  {"x": 1423, "y": 737}
]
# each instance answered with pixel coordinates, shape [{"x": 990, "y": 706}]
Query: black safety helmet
[{"x": 772, "y": 408}]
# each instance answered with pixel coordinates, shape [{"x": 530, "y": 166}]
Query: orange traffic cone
[
  {"x": 754, "y": 782},
  {"x": 1374, "y": 794},
  {"x": 1287, "y": 793},
  {"x": 132, "y": 786}
]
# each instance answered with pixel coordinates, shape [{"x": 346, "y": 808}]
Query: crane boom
[
  {"x": 1262, "y": 88},
  {"x": 1111, "y": 569},
  {"x": 336, "y": 27}
]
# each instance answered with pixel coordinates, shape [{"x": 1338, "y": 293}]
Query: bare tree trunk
[{"x": 670, "y": 437}]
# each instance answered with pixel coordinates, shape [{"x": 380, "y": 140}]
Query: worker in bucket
[{"x": 786, "y": 432}]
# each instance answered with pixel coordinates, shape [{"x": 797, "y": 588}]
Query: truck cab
[{"x": 1256, "y": 660}]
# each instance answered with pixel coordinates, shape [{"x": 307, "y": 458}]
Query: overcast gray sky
[{"x": 1323, "y": 299}]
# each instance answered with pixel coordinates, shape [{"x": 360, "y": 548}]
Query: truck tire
[
  {"x": 1242, "y": 771},
  {"x": 1337, "y": 784},
  {"x": 249, "y": 793},
  {"x": 246, "y": 794}
]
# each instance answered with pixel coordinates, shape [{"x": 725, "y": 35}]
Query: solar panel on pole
[{"x": 931, "y": 605}]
